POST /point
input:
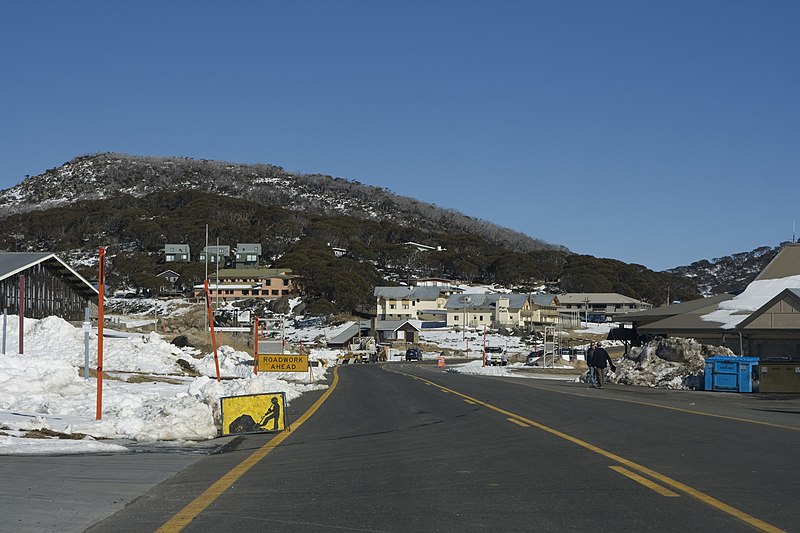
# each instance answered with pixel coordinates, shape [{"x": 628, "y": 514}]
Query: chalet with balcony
[
  {"x": 247, "y": 255},
  {"x": 177, "y": 253},
  {"x": 240, "y": 283}
]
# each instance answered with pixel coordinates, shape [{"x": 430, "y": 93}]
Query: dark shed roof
[{"x": 12, "y": 263}]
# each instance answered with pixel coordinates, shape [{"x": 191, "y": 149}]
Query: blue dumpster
[{"x": 730, "y": 373}]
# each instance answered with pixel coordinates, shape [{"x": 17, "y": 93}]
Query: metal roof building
[
  {"x": 763, "y": 321},
  {"x": 49, "y": 287}
]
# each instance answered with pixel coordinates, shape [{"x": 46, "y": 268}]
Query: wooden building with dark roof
[{"x": 767, "y": 327}]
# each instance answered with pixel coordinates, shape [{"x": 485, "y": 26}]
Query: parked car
[
  {"x": 494, "y": 349},
  {"x": 496, "y": 359},
  {"x": 413, "y": 354},
  {"x": 536, "y": 357},
  {"x": 532, "y": 357}
]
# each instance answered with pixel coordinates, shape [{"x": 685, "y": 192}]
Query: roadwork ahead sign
[
  {"x": 253, "y": 413},
  {"x": 271, "y": 362}
]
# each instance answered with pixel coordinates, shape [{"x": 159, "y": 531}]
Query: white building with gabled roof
[{"x": 408, "y": 303}]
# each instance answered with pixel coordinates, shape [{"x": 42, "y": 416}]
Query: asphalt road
[{"x": 407, "y": 447}]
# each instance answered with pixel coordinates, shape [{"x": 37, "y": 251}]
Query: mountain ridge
[
  {"x": 136, "y": 204},
  {"x": 109, "y": 173}
]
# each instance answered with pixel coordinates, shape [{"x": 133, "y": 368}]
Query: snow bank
[
  {"x": 672, "y": 363},
  {"x": 44, "y": 388}
]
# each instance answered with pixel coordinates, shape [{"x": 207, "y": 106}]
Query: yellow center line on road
[
  {"x": 644, "y": 481},
  {"x": 196, "y": 506},
  {"x": 657, "y": 405},
  {"x": 518, "y": 422},
  {"x": 674, "y": 484}
]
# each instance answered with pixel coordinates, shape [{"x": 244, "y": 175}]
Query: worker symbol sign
[{"x": 253, "y": 413}]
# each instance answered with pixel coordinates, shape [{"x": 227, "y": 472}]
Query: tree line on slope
[
  {"x": 135, "y": 231},
  {"x": 98, "y": 175}
]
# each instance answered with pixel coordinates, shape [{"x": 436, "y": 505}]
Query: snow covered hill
[
  {"x": 103, "y": 175},
  {"x": 729, "y": 274}
]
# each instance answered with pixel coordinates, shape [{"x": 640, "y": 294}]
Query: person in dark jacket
[
  {"x": 601, "y": 359},
  {"x": 589, "y": 355}
]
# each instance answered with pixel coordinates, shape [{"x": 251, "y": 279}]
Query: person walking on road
[
  {"x": 589, "y": 363},
  {"x": 601, "y": 359}
]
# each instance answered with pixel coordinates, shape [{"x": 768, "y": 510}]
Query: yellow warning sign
[
  {"x": 253, "y": 413},
  {"x": 287, "y": 362}
]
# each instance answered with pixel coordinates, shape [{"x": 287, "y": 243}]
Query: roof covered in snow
[
  {"x": 407, "y": 293},
  {"x": 731, "y": 313}
]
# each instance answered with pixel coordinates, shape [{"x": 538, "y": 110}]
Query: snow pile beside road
[
  {"x": 44, "y": 388},
  {"x": 672, "y": 363},
  {"x": 476, "y": 368}
]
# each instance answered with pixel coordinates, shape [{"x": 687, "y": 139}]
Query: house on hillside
[
  {"x": 216, "y": 255},
  {"x": 424, "y": 247},
  {"x": 501, "y": 310},
  {"x": 240, "y": 283},
  {"x": 172, "y": 278},
  {"x": 409, "y": 303},
  {"x": 763, "y": 321},
  {"x": 43, "y": 285},
  {"x": 176, "y": 253},
  {"x": 247, "y": 255}
]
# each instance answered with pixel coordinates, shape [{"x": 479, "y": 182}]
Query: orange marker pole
[
  {"x": 255, "y": 346},
  {"x": 211, "y": 324},
  {"x": 101, "y": 289}
]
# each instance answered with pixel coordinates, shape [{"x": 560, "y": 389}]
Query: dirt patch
[
  {"x": 50, "y": 434},
  {"x": 152, "y": 379}
]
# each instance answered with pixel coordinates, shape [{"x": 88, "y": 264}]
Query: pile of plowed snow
[{"x": 672, "y": 363}]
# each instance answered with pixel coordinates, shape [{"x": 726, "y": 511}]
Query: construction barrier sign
[
  {"x": 253, "y": 413},
  {"x": 282, "y": 362}
]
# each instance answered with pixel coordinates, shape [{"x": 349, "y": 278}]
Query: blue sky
[{"x": 657, "y": 133}]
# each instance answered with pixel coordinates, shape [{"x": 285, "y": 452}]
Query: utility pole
[{"x": 586, "y": 301}]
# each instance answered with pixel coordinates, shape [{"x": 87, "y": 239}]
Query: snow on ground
[
  {"x": 148, "y": 398},
  {"x": 448, "y": 339},
  {"x": 516, "y": 370},
  {"x": 596, "y": 329},
  {"x": 45, "y": 389}
]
